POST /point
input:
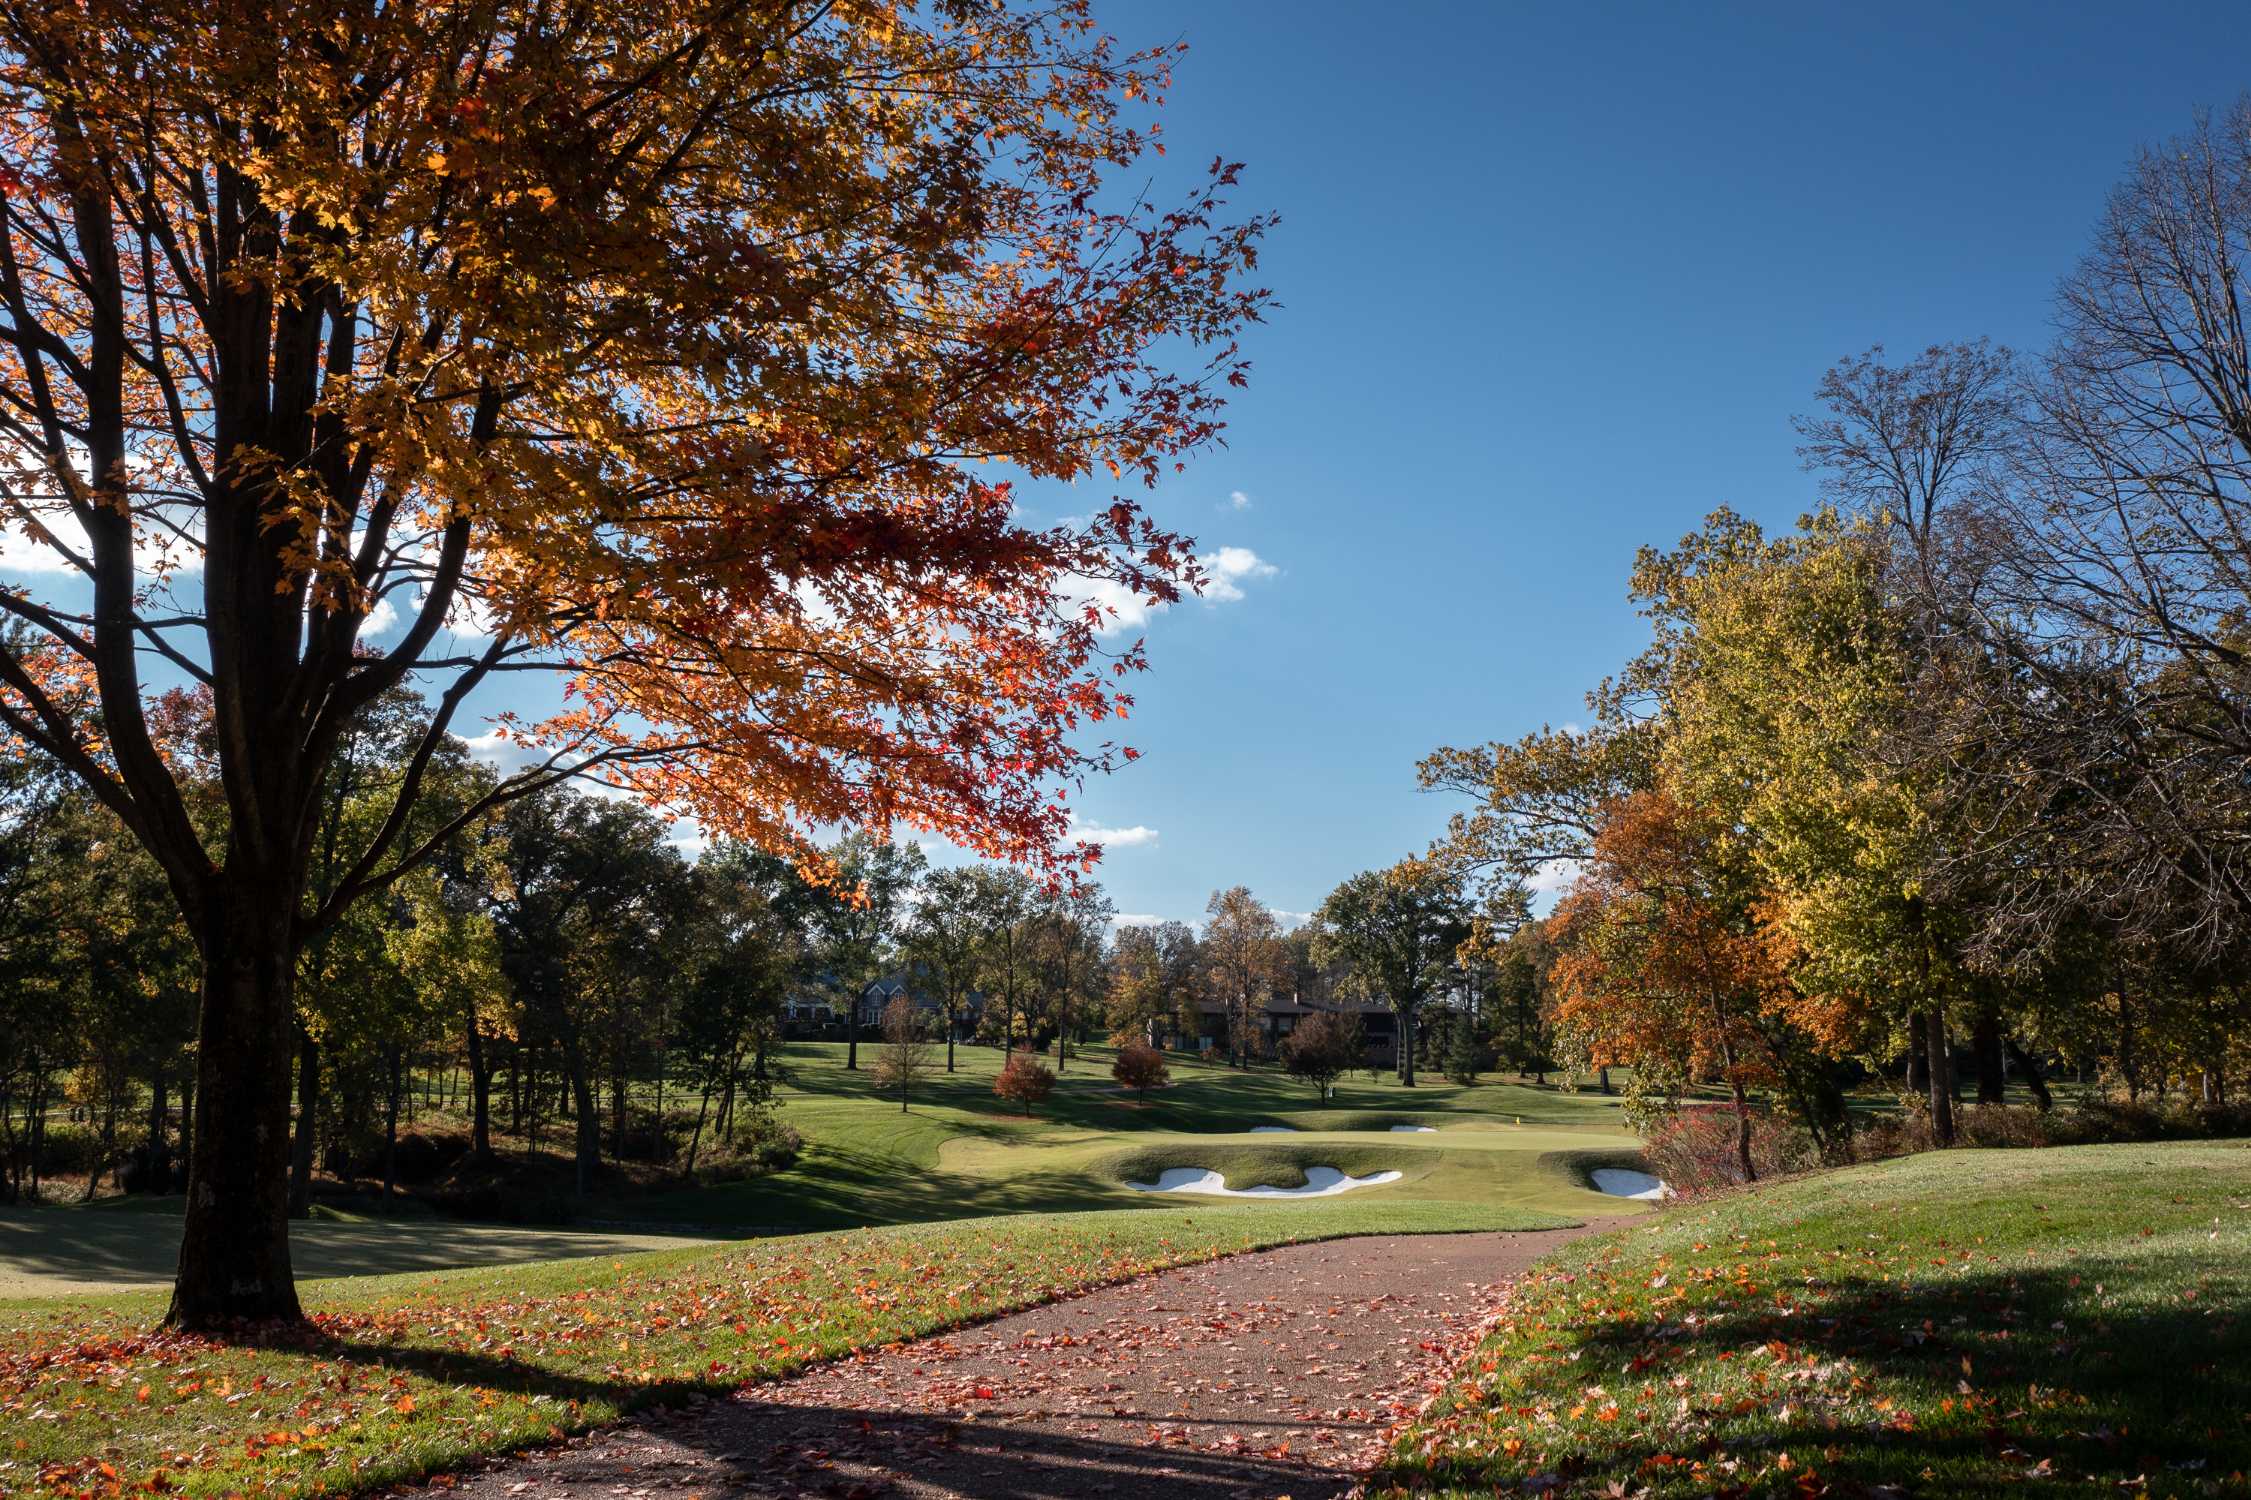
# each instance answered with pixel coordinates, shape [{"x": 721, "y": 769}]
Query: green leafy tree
[{"x": 1394, "y": 934}]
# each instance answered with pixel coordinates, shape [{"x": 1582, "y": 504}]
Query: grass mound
[
  {"x": 2066, "y": 1322},
  {"x": 1245, "y": 1166}
]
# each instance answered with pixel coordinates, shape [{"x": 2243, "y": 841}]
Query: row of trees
[{"x": 1955, "y": 768}]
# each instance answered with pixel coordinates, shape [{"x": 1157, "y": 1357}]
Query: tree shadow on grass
[
  {"x": 725, "y": 1439},
  {"x": 2039, "y": 1365}
]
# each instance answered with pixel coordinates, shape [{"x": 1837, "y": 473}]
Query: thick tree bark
[
  {"x": 1918, "y": 1053},
  {"x": 234, "y": 1239},
  {"x": 308, "y": 1108},
  {"x": 1407, "y": 1046}
]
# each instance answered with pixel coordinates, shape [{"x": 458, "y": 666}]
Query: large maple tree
[{"x": 683, "y": 349}]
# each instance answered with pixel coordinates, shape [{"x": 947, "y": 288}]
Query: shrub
[
  {"x": 1693, "y": 1148},
  {"x": 759, "y": 1146},
  {"x": 1141, "y": 1068},
  {"x": 1025, "y": 1080}
]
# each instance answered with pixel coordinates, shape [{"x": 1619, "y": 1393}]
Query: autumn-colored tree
[
  {"x": 659, "y": 347},
  {"x": 908, "y": 1058},
  {"x": 1242, "y": 955},
  {"x": 1663, "y": 964},
  {"x": 1140, "y": 1067},
  {"x": 1024, "y": 1080},
  {"x": 1323, "y": 1047}
]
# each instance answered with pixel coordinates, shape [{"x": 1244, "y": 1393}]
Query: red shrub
[{"x": 1025, "y": 1080}]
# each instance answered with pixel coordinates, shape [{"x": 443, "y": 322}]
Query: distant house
[
  {"x": 1279, "y": 1016},
  {"x": 916, "y": 983}
]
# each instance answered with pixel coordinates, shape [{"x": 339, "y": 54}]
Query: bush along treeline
[{"x": 1949, "y": 784}]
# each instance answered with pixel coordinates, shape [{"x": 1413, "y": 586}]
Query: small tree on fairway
[
  {"x": 1025, "y": 1081},
  {"x": 908, "y": 1058},
  {"x": 1323, "y": 1048},
  {"x": 1141, "y": 1068}
]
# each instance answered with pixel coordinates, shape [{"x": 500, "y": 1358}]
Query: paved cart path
[{"x": 1268, "y": 1374}]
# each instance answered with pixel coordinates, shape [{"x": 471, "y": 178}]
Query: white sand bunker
[
  {"x": 1414, "y": 1130},
  {"x": 1320, "y": 1182},
  {"x": 1621, "y": 1182},
  {"x": 1273, "y": 1130}
]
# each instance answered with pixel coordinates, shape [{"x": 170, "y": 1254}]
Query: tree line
[{"x": 1952, "y": 774}]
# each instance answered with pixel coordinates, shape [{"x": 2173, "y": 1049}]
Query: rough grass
[{"x": 2073, "y": 1321}]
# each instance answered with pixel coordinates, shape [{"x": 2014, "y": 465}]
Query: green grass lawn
[
  {"x": 960, "y": 1152},
  {"x": 2061, "y": 1322},
  {"x": 407, "y": 1375},
  {"x": 952, "y": 1211}
]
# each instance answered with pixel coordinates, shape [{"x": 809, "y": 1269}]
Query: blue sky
[{"x": 1556, "y": 277}]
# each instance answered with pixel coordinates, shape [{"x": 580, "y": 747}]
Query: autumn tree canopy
[{"x": 685, "y": 353}]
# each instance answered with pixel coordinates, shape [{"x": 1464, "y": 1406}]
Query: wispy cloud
[
  {"x": 1237, "y": 500},
  {"x": 1135, "y": 837}
]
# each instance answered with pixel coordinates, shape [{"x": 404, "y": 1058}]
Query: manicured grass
[
  {"x": 407, "y": 1375},
  {"x": 959, "y": 1152},
  {"x": 2063, "y": 1322}
]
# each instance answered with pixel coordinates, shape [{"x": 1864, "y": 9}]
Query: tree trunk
[
  {"x": 394, "y": 1068},
  {"x": 234, "y": 1238},
  {"x": 589, "y": 1152},
  {"x": 1918, "y": 1053},
  {"x": 1602, "y": 1076},
  {"x": 480, "y": 1097},
  {"x": 301, "y": 1145},
  {"x": 852, "y": 1033},
  {"x": 1407, "y": 1046},
  {"x": 1985, "y": 1047},
  {"x": 695, "y": 1138},
  {"x": 1935, "y": 1047},
  {"x": 2031, "y": 1072},
  {"x": 156, "y": 1160}
]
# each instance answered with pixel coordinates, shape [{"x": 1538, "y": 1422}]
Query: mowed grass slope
[
  {"x": 959, "y": 1152},
  {"x": 2064, "y": 1322}
]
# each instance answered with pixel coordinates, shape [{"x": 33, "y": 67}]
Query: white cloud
[
  {"x": 1112, "y": 838},
  {"x": 1553, "y": 876},
  {"x": 381, "y": 619},
  {"x": 497, "y": 750},
  {"x": 1229, "y": 567},
  {"x": 22, "y": 554},
  {"x": 1121, "y": 607},
  {"x": 1237, "y": 500},
  {"x": 1226, "y": 570},
  {"x": 1137, "y": 919},
  {"x": 1292, "y": 920}
]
